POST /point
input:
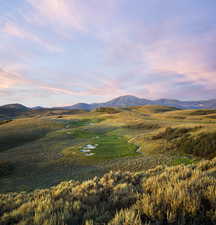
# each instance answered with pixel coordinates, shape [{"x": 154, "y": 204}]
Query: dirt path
[{"x": 139, "y": 148}]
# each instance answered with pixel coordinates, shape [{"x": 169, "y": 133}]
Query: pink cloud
[
  {"x": 186, "y": 58},
  {"x": 91, "y": 17},
  {"x": 110, "y": 88},
  {"x": 56, "y": 90},
  {"x": 62, "y": 13},
  {"x": 9, "y": 80},
  {"x": 14, "y": 30}
]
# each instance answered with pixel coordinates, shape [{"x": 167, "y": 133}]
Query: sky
[{"x": 61, "y": 52}]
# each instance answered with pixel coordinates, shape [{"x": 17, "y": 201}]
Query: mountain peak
[
  {"x": 126, "y": 97},
  {"x": 130, "y": 100},
  {"x": 126, "y": 100}
]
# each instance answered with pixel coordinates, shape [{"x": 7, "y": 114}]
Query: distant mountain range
[
  {"x": 122, "y": 101},
  {"x": 129, "y": 100}
]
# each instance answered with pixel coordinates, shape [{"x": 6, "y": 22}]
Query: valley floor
[{"x": 40, "y": 151}]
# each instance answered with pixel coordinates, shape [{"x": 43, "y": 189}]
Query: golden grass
[
  {"x": 45, "y": 150},
  {"x": 180, "y": 195}
]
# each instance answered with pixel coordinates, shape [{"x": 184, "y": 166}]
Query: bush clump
[
  {"x": 180, "y": 195},
  {"x": 203, "y": 145},
  {"x": 172, "y": 133},
  {"x": 109, "y": 110},
  {"x": 142, "y": 125},
  {"x": 5, "y": 121},
  {"x": 203, "y": 112}
]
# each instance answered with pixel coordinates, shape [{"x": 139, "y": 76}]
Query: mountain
[
  {"x": 37, "y": 108},
  {"x": 82, "y": 106},
  {"x": 207, "y": 104},
  {"x": 129, "y": 100},
  {"x": 12, "y": 110}
]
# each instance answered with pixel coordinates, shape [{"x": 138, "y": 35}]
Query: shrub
[
  {"x": 203, "y": 145},
  {"x": 212, "y": 117},
  {"x": 110, "y": 110},
  {"x": 180, "y": 195},
  {"x": 5, "y": 121},
  {"x": 172, "y": 133},
  {"x": 142, "y": 125},
  {"x": 202, "y": 112}
]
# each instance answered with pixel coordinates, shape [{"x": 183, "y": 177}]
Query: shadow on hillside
[{"x": 30, "y": 176}]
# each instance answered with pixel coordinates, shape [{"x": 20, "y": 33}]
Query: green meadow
[{"x": 41, "y": 150}]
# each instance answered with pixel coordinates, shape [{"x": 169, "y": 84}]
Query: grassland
[
  {"x": 179, "y": 195},
  {"x": 43, "y": 148}
]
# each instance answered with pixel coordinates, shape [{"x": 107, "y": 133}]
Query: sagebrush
[{"x": 180, "y": 195}]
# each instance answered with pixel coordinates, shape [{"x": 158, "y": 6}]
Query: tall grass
[
  {"x": 202, "y": 144},
  {"x": 180, "y": 195}
]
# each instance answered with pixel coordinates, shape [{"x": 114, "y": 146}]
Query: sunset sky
[{"x": 60, "y": 52}]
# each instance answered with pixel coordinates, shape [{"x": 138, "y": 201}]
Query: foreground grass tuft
[{"x": 180, "y": 195}]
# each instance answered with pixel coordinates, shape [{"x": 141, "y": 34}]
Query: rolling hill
[
  {"x": 129, "y": 100},
  {"x": 12, "y": 110}
]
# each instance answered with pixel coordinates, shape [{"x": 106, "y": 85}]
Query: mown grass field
[{"x": 39, "y": 151}]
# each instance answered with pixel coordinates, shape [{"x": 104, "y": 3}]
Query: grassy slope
[
  {"x": 45, "y": 150},
  {"x": 180, "y": 195}
]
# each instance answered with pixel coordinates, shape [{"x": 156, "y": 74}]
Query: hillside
[
  {"x": 82, "y": 106},
  {"x": 128, "y": 100},
  {"x": 12, "y": 110},
  {"x": 138, "y": 165},
  {"x": 45, "y": 147},
  {"x": 180, "y": 195}
]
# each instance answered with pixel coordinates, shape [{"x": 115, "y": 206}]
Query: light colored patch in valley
[
  {"x": 89, "y": 154},
  {"x": 87, "y": 149}
]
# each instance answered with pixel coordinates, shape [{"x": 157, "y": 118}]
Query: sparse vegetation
[
  {"x": 5, "y": 121},
  {"x": 110, "y": 110},
  {"x": 202, "y": 112},
  {"x": 172, "y": 133},
  {"x": 142, "y": 125},
  {"x": 45, "y": 149},
  {"x": 203, "y": 145},
  {"x": 180, "y": 195}
]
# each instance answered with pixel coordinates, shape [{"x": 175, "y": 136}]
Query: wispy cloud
[
  {"x": 61, "y": 13},
  {"x": 66, "y": 17},
  {"x": 56, "y": 90},
  {"x": 188, "y": 58},
  {"x": 9, "y": 80},
  {"x": 110, "y": 48},
  {"x": 16, "y": 31}
]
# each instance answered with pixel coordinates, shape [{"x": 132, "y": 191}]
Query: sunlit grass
[
  {"x": 179, "y": 195},
  {"x": 46, "y": 150}
]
